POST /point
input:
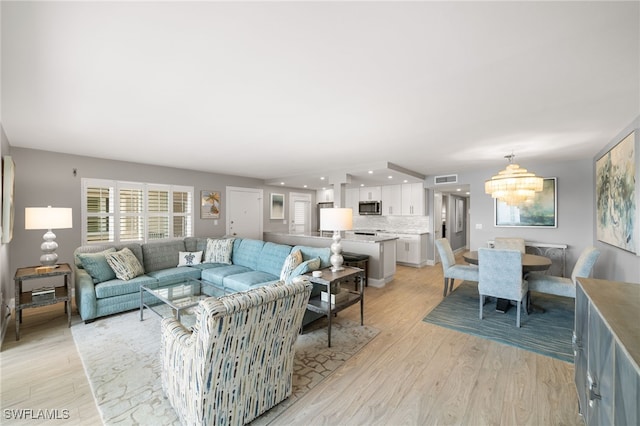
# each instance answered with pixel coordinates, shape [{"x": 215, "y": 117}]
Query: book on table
[{"x": 42, "y": 291}]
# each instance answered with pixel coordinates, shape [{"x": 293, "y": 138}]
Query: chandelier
[{"x": 513, "y": 185}]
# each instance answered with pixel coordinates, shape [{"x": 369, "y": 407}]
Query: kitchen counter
[
  {"x": 384, "y": 232},
  {"x": 380, "y": 249}
]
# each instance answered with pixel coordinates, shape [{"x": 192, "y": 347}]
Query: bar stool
[{"x": 359, "y": 261}]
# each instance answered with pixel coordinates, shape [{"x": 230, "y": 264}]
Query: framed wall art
[
  {"x": 210, "y": 204},
  {"x": 277, "y": 206},
  {"x": 8, "y": 177},
  {"x": 541, "y": 212},
  {"x": 617, "y": 195},
  {"x": 459, "y": 214}
]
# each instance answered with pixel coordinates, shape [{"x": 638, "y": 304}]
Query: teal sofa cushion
[
  {"x": 97, "y": 266},
  {"x": 248, "y": 280},
  {"x": 272, "y": 257},
  {"x": 175, "y": 275},
  {"x": 120, "y": 287},
  {"x": 216, "y": 275},
  {"x": 246, "y": 252},
  {"x": 162, "y": 255}
]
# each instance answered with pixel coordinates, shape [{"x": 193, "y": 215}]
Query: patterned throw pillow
[
  {"x": 96, "y": 265},
  {"x": 306, "y": 266},
  {"x": 125, "y": 264},
  {"x": 218, "y": 250},
  {"x": 290, "y": 263},
  {"x": 189, "y": 258}
]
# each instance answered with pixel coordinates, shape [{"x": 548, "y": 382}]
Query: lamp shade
[
  {"x": 48, "y": 218},
  {"x": 336, "y": 219}
]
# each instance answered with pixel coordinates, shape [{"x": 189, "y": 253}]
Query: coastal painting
[
  {"x": 617, "y": 195},
  {"x": 539, "y": 212},
  {"x": 209, "y": 204}
]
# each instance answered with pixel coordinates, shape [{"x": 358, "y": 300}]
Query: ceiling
[{"x": 291, "y": 91}]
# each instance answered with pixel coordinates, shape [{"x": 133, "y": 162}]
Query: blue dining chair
[
  {"x": 500, "y": 276},
  {"x": 452, "y": 271},
  {"x": 561, "y": 286}
]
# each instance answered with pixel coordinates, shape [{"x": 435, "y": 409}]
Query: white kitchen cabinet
[
  {"x": 411, "y": 249},
  {"x": 324, "y": 195},
  {"x": 351, "y": 199},
  {"x": 370, "y": 193},
  {"x": 413, "y": 199},
  {"x": 391, "y": 196}
]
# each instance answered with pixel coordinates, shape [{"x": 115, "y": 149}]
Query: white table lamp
[
  {"x": 48, "y": 218},
  {"x": 336, "y": 220}
]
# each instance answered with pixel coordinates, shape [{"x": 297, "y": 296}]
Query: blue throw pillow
[
  {"x": 306, "y": 266},
  {"x": 97, "y": 266}
]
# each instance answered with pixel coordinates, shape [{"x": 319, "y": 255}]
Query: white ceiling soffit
[
  {"x": 374, "y": 174},
  {"x": 264, "y": 89}
]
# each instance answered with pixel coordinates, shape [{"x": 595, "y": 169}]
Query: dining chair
[
  {"x": 561, "y": 286},
  {"x": 452, "y": 271},
  {"x": 504, "y": 243},
  {"x": 500, "y": 275}
]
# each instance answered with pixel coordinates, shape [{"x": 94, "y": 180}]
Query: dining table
[{"x": 530, "y": 263}]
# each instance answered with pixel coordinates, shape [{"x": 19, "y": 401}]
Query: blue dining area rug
[{"x": 547, "y": 333}]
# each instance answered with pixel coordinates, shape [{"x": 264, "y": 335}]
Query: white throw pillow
[
  {"x": 290, "y": 263},
  {"x": 125, "y": 264},
  {"x": 218, "y": 250},
  {"x": 189, "y": 258}
]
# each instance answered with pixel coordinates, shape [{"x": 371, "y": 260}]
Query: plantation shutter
[
  {"x": 182, "y": 212},
  {"x": 158, "y": 213},
  {"x": 299, "y": 208},
  {"x": 131, "y": 209},
  {"x": 99, "y": 212}
]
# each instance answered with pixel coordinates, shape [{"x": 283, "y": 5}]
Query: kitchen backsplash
[{"x": 392, "y": 223}]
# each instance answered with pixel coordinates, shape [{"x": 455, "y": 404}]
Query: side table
[
  {"x": 27, "y": 300},
  {"x": 330, "y": 279}
]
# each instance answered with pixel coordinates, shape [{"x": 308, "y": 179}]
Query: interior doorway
[
  {"x": 299, "y": 213},
  {"x": 244, "y": 212}
]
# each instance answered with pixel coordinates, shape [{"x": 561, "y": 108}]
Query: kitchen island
[{"x": 380, "y": 249}]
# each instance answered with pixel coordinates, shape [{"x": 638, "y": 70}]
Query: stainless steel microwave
[{"x": 369, "y": 207}]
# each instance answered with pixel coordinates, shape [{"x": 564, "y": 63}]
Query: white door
[
  {"x": 299, "y": 213},
  {"x": 244, "y": 212}
]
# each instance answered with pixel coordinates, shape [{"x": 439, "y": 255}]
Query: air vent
[{"x": 445, "y": 179}]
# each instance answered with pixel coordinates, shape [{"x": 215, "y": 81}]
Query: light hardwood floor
[{"x": 412, "y": 373}]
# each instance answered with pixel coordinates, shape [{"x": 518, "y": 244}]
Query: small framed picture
[
  {"x": 210, "y": 204},
  {"x": 277, "y": 206}
]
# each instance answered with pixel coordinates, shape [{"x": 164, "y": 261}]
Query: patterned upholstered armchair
[
  {"x": 238, "y": 361},
  {"x": 501, "y": 277},
  {"x": 452, "y": 271},
  {"x": 561, "y": 286}
]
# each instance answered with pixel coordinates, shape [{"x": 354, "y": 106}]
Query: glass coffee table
[{"x": 178, "y": 299}]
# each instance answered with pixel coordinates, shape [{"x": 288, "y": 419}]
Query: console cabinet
[{"x": 607, "y": 351}]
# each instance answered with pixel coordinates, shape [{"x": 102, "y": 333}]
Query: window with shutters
[{"x": 116, "y": 211}]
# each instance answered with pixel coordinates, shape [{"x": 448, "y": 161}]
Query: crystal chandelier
[{"x": 513, "y": 185}]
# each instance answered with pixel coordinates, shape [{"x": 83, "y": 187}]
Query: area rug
[
  {"x": 547, "y": 333},
  {"x": 121, "y": 358}
]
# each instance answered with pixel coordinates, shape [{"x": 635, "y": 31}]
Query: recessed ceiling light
[
  {"x": 323, "y": 188},
  {"x": 304, "y": 186},
  {"x": 468, "y": 193},
  {"x": 458, "y": 189},
  {"x": 362, "y": 184},
  {"x": 281, "y": 183},
  {"x": 370, "y": 172},
  {"x": 389, "y": 177},
  {"x": 405, "y": 181},
  {"x": 321, "y": 177}
]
